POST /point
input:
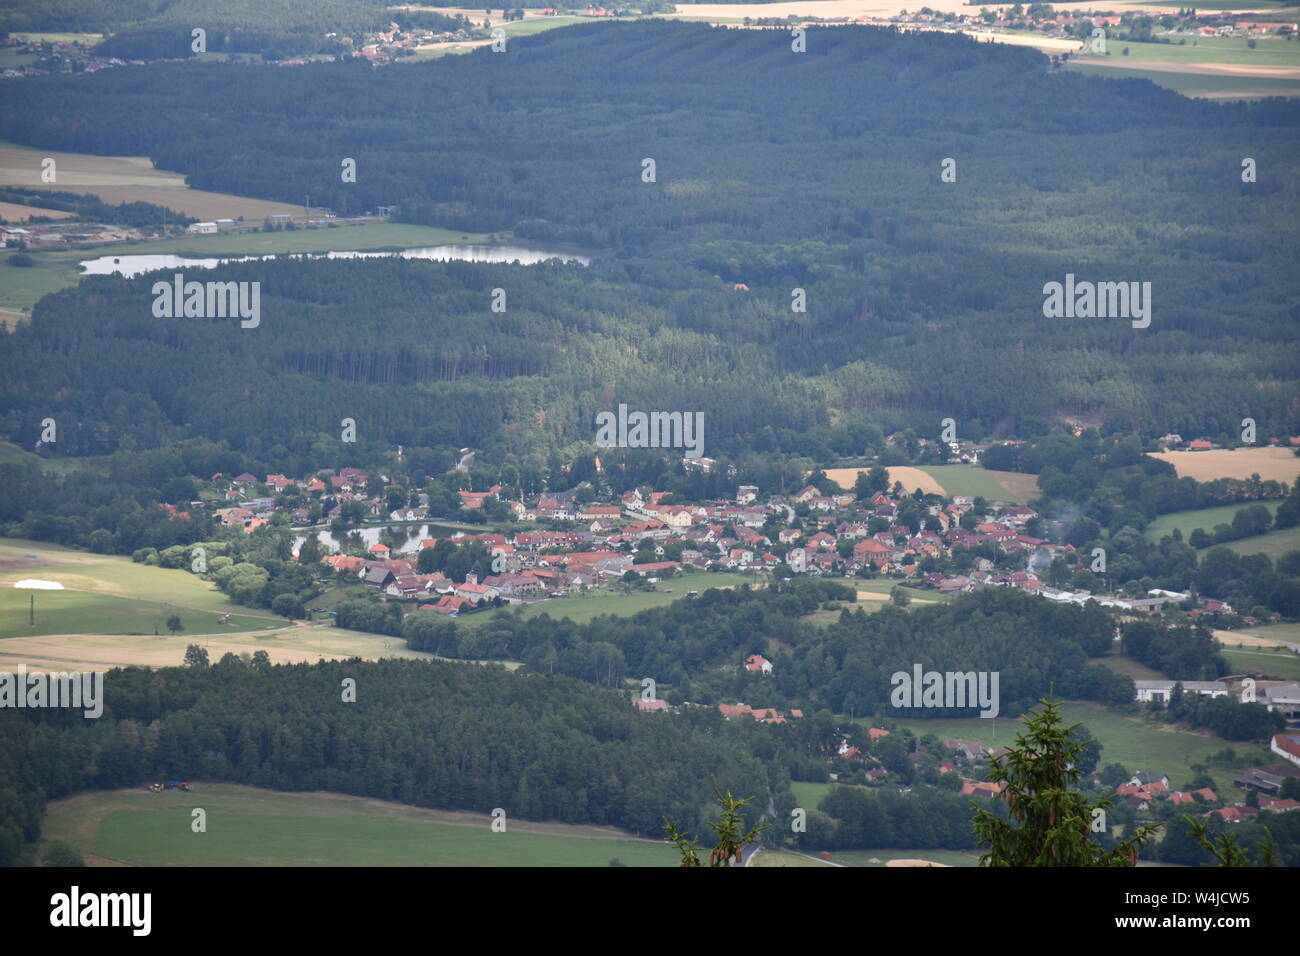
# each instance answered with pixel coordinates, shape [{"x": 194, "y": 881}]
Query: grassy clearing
[
  {"x": 1205, "y": 518},
  {"x": 583, "y": 608},
  {"x": 114, "y": 575},
  {"x": 1134, "y": 669},
  {"x": 980, "y": 482},
  {"x": 11, "y": 454},
  {"x": 252, "y": 827},
  {"x": 21, "y": 287},
  {"x": 1268, "y": 51},
  {"x": 865, "y": 857},
  {"x": 809, "y": 794},
  {"x": 1274, "y": 544},
  {"x": 1131, "y": 741},
  {"x": 85, "y": 612},
  {"x": 1266, "y": 665}
]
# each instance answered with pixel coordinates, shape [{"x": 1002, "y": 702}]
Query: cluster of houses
[
  {"x": 1279, "y": 696},
  {"x": 582, "y": 541},
  {"x": 1061, "y": 24},
  {"x": 1175, "y": 442},
  {"x": 1146, "y": 789}
]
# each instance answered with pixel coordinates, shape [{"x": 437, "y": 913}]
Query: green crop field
[
  {"x": 1265, "y": 664},
  {"x": 115, "y": 575},
  {"x": 1268, "y": 51},
  {"x": 1131, "y": 741},
  {"x": 1274, "y": 544},
  {"x": 251, "y": 827},
  {"x": 86, "y": 612},
  {"x": 582, "y": 608},
  {"x": 976, "y": 481},
  {"x": 1204, "y": 518}
]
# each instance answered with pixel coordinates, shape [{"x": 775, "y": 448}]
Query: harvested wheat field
[
  {"x": 118, "y": 179},
  {"x": 16, "y": 212},
  {"x": 912, "y": 478},
  {"x": 914, "y": 863},
  {"x": 1277, "y": 464},
  {"x": 101, "y": 652}
]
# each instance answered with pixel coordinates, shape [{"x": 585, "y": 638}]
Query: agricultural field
[
  {"x": 290, "y": 644},
  {"x": 1274, "y": 543},
  {"x": 871, "y": 596},
  {"x": 247, "y": 826},
  {"x": 766, "y": 857},
  {"x": 951, "y": 480},
  {"x": 896, "y": 857},
  {"x": 584, "y": 607},
  {"x": 21, "y": 287},
  {"x": 1203, "y": 84},
  {"x": 1268, "y": 52},
  {"x": 117, "y": 179},
  {"x": 1131, "y": 741},
  {"x": 1263, "y": 635},
  {"x": 975, "y": 481},
  {"x": 17, "y": 212},
  {"x": 1278, "y": 464},
  {"x": 1264, "y": 664},
  {"x": 86, "y": 612},
  {"x": 1205, "y": 518}
]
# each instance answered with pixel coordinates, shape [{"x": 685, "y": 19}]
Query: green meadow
[
  {"x": 1136, "y": 743},
  {"x": 1268, "y": 51},
  {"x": 1274, "y": 544},
  {"x": 251, "y": 827},
  {"x": 105, "y": 594},
  {"x": 1265, "y": 664},
  {"x": 1204, "y": 518},
  {"x": 584, "y": 607},
  {"x": 970, "y": 480}
]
